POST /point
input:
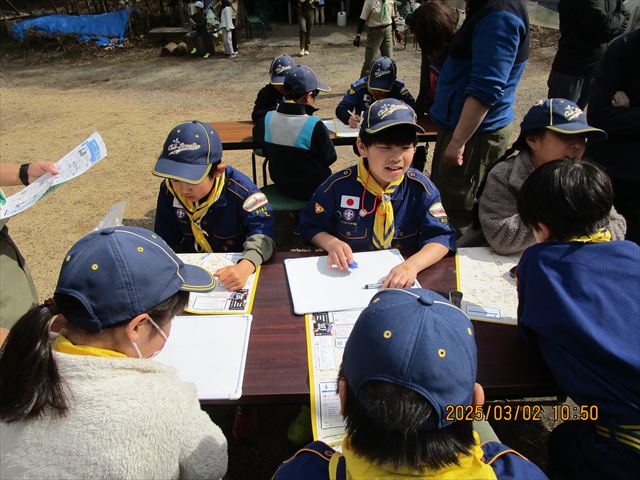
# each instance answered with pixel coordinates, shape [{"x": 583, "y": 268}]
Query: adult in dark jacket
[
  {"x": 296, "y": 143},
  {"x": 614, "y": 106},
  {"x": 474, "y": 101},
  {"x": 586, "y": 26}
]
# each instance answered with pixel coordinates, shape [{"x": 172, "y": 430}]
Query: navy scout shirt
[
  {"x": 419, "y": 217},
  {"x": 240, "y": 212}
]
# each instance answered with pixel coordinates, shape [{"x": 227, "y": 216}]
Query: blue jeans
[{"x": 570, "y": 87}]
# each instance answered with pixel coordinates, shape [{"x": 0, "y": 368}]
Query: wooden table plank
[
  {"x": 238, "y": 135},
  {"x": 276, "y": 369}
]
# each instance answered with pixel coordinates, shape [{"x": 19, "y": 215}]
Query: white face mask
[{"x": 164, "y": 336}]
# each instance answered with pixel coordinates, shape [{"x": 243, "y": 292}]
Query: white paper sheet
[
  {"x": 209, "y": 351},
  {"x": 73, "y": 164},
  {"x": 317, "y": 288},
  {"x": 336, "y": 126}
]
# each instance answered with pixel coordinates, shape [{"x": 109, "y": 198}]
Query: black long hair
[{"x": 30, "y": 383}]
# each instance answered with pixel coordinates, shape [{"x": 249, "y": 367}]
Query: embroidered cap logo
[
  {"x": 388, "y": 109},
  {"x": 572, "y": 113},
  {"x": 177, "y": 146}
]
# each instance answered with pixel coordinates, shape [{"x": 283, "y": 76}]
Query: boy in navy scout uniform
[
  {"x": 206, "y": 206},
  {"x": 380, "y": 83},
  {"x": 410, "y": 358},
  {"x": 296, "y": 143},
  {"x": 381, "y": 202},
  {"x": 272, "y": 94},
  {"x": 579, "y": 303}
]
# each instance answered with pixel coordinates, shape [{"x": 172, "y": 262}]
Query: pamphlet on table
[
  {"x": 488, "y": 287},
  {"x": 220, "y": 300},
  {"x": 327, "y": 334},
  {"x": 72, "y": 165}
]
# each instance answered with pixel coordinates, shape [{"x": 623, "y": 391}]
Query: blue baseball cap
[
  {"x": 416, "y": 339},
  {"x": 300, "y": 80},
  {"x": 382, "y": 74},
  {"x": 279, "y": 68},
  {"x": 119, "y": 272},
  {"x": 562, "y": 116},
  {"x": 189, "y": 152},
  {"x": 386, "y": 113}
]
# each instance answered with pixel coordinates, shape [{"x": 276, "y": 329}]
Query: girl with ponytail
[{"x": 88, "y": 402}]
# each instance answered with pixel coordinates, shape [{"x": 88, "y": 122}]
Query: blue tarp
[{"x": 104, "y": 29}]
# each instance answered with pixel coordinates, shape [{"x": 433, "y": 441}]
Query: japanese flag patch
[
  {"x": 255, "y": 201},
  {"x": 347, "y": 201}
]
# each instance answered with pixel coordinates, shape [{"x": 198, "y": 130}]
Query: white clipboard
[
  {"x": 211, "y": 352},
  {"x": 317, "y": 288}
]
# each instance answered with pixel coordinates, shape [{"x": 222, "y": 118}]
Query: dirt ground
[{"x": 50, "y": 102}]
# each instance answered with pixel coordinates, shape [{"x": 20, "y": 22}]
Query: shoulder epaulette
[
  {"x": 336, "y": 177},
  {"x": 360, "y": 84},
  {"x": 422, "y": 179},
  {"x": 320, "y": 449}
]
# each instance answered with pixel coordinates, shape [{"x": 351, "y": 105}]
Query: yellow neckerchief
[
  {"x": 62, "y": 345},
  {"x": 383, "y": 224},
  {"x": 195, "y": 213},
  {"x": 471, "y": 467},
  {"x": 602, "y": 235}
]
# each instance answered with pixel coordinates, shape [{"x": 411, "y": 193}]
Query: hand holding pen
[{"x": 354, "y": 119}]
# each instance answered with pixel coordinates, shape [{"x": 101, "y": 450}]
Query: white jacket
[{"x": 128, "y": 419}]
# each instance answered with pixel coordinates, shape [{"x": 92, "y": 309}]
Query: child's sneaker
[
  {"x": 302, "y": 52},
  {"x": 306, "y": 52},
  {"x": 300, "y": 432},
  {"x": 193, "y": 51},
  {"x": 206, "y": 55}
]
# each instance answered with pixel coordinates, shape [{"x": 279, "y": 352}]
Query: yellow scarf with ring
[
  {"x": 196, "y": 213},
  {"x": 383, "y": 229}
]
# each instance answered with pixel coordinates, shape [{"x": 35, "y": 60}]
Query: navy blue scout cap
[
  {"x": 119, "y": 272},
  {"x": 562, "y": 116},
  {"x": 279, "y": 68},
  {"x": 189, "y": 152},
  {"x": 386, "y": 113},
  {"x": 300, "y": 80},
  {"x": 382, "y": 74},
  {"x": 418, "y": 340}
]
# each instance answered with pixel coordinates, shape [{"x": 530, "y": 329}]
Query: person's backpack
[{"x": 212, "y": 21}]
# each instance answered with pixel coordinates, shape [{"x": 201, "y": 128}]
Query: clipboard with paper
[{"x": 220, "y": 300}]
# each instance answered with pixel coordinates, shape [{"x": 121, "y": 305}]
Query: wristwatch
[{"x": 23, "y": 174}]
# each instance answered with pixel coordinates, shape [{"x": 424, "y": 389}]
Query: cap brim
[
  {"x": 574, "y": 129},
  {"x": 392, "y": 123},
  {"x": 181, "y": 171},
  {"x": 277, "y": 80},
  {"x": 196, "y": 279},
  {"x": 323, "y": 87}
]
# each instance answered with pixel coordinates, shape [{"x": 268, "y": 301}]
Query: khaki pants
[
  {"x": 17, "y": 291},
  {"x": 458, "y": 186},
  {"x": 378, "y": 39}
]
